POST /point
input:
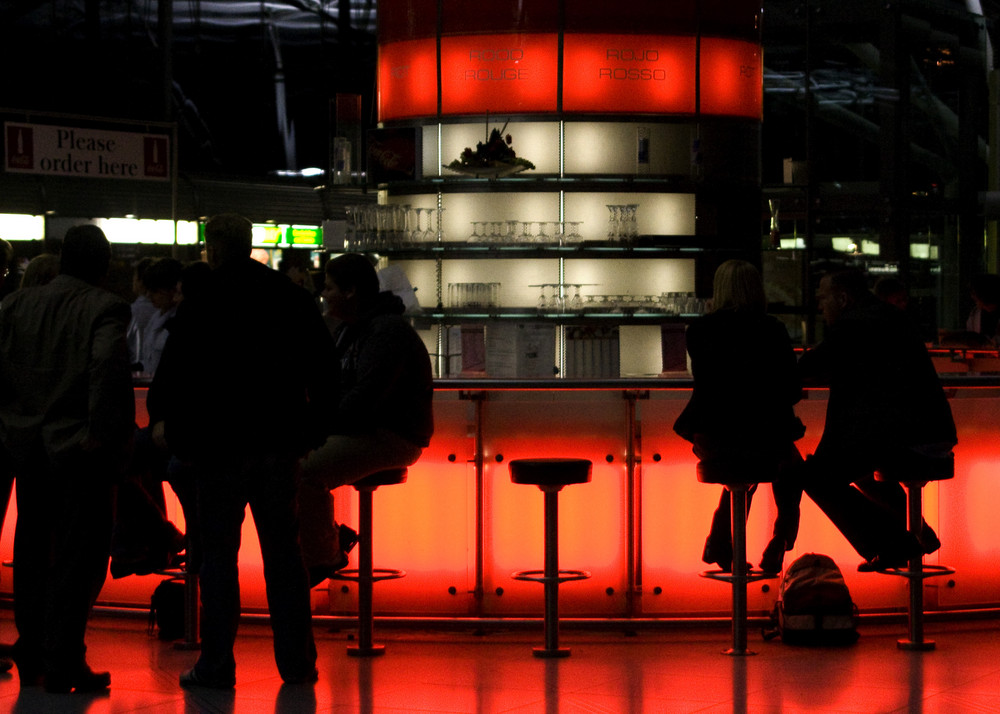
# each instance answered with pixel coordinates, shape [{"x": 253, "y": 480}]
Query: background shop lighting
[
  {"x": 17, "y": 226},
  {"x": 282, "y": 235},
  {"x": 148, "y": 231}
]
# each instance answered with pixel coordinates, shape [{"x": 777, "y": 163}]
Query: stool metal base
[
  {"x": 366, "y": 575},
  {"x": 739, "y": 578},
  {"x": 922, "y": 646},
  {"x": 539, "y": 576},
  {"x": 551, "y": 576},
  {"x": 547, "y": 653},
  {"x": 370, "y": 651}
]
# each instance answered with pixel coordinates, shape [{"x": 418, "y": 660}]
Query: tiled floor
[{"x": 664, "y": 670}]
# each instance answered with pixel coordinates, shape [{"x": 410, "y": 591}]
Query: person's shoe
[
  {"x": 319, "y": 573},
  {"x": 929, "y": 542},
  {"x": 28, "y": 675},
  {"x": 713, "y": 555},
  {"x": 348, "y": 538},
  {"x": 191, "y": 678},
  {"x": 884, "y": 562},
  {"x": 84, "y": 681},
  {"x": 774, "y": 556},
  {"x": 309, "y": 677}
]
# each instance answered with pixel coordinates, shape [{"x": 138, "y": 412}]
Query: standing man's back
[
  {"x": 66, "y": 417},
  {"x": 243, "y": 369}
]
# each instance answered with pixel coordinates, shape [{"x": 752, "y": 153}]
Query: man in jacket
[
  {"x": 245, "y": 365},
  {"x": 66, "y": 418},
  {"x": 383, "y": 416},
  {"x": 886, "y": 404}
]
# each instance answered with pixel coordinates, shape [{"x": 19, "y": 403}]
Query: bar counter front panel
[{"x": 459, "y": 527}]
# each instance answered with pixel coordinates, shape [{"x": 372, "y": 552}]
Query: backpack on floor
[
  {"x": 166, "y": 610},
  {"x": 814, "y": 606}
]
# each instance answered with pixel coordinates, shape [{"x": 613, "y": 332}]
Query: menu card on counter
[{"x": 520, "y": 350}]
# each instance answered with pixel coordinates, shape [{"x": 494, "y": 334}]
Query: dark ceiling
[{"x": 253, "y": 81}]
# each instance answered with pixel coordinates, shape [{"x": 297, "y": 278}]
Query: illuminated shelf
[
  {"x": 596, "y": 318},
  {"x": 644, "y": 247},
  {"x": 535, "y": 182}
]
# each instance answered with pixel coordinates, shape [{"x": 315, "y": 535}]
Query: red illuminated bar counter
[{"x": 460, "y": 528}]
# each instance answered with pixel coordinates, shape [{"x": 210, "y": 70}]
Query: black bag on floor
[
  {"x": 166, "y": 610},
  {"x": 814, "y": 606}
]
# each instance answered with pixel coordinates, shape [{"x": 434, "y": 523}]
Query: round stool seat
[
  {"x": 550, "y": 472},
  {"x": 918, "y": 468},
  {"x": 736, "y": 473},
  {"x": 388, "y": 477}
]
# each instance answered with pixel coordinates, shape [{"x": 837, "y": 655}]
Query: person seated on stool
[
  {"x": 383, "y": 416},
  {"x": 741, "y": 407},
  {"x": 886, "y": 402}
]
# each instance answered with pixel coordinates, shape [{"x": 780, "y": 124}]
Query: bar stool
[
  {"x": 737, "y": 478},
  {"x": 366, "y": 575},
  {"x": 913, "y": 473},
  {"x": 550, "y": 475}
]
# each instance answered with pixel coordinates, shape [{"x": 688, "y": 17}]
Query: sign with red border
[{"x": 85, "y": 153}]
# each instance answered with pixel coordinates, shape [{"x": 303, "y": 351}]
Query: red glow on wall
[
  {"x": 514, "y": 73},
  {"x": 629, "y": 73},
  {"x": 407, "y": 79},
  {"x": 731, "y": 78}
]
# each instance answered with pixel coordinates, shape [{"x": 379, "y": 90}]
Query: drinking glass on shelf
[
  {"x": 630, "y": 223},
  {"x": 400, "y": 235},
  {"x": 541, "y": 236},
  {"x": 526, "y": 234},
  {"x": 419, "y": 231},
  {"x": 575, "y": 301},
  {"x": 510, "y": 231},
  {"x": 573, "y": 232},
  {"x": 351, "y": 238},
  {"x": 433, "y": 225},
  {"x": 559, "y": 229},
  {"x": 614, "y": 222},
  {"x": 544, "y": 297},
  {"x": 558, "y": 303},
  {"x": 476, "y": 236}
]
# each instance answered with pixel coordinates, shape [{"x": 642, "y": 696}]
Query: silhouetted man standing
[
  {"x": 246, "y": 363},
  {"x": 66, "y": 418}
]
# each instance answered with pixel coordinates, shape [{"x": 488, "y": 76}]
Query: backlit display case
[{"x": 591, "y": 164}]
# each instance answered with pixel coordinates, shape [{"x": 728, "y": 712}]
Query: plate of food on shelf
[{"x": 493, "y": 159}]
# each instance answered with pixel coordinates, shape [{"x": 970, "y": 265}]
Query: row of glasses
[
  {"x": 479, "y": 295},
  {"x": 373, "y": 226},
  {"x": 560, "y": 297},
  {"x": 615, "y": 303},
  {"x": 682, "y": 304},
  {"x": 511, "y": 232},
  {"x": 623, "y": 223},
  {"x": 567, "y": 297}
]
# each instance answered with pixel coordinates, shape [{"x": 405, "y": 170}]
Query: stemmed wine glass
[
  {"x": 544, "y": 298},
  {"x": 614, "y": 222}
]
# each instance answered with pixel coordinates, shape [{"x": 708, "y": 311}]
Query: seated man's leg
[
  {"x": 892, "y": 497},
  {"x": 869, "y": 527},
  {"x": 341, "y": 460}
]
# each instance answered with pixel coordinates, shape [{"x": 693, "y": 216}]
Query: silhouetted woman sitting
[{"x": 740, "y": 411}]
